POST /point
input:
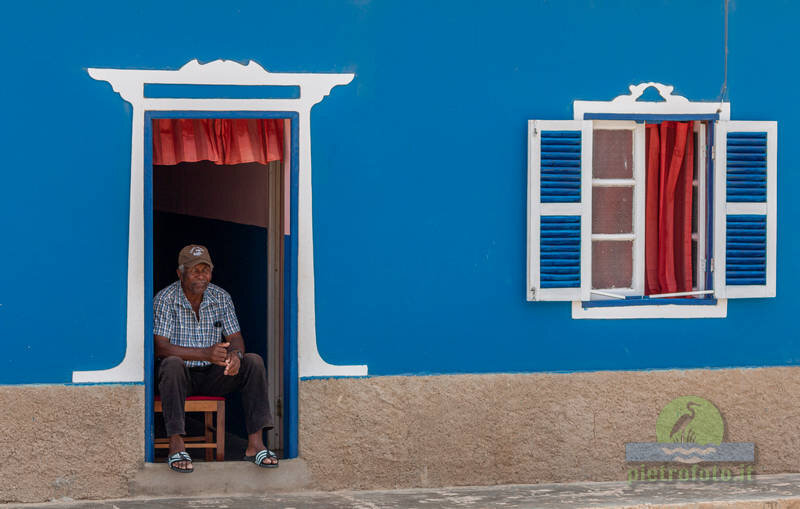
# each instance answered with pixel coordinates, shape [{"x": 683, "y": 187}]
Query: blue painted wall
[{"x": 419, "y": 171}]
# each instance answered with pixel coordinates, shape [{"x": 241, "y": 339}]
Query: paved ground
[{"x": 773, "y": 492}]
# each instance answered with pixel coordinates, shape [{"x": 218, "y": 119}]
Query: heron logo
[
  {"x": 690, "y": 430},
  {"x": 690, "y": 419}
]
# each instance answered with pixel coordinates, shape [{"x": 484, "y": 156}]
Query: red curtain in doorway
[
  {"x": 222, "y": 141},
  {"x": 668, "y": 217}
]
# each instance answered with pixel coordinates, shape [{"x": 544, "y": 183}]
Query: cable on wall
[{"x": 723, "y": 93}]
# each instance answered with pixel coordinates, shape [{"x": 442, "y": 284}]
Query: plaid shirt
[{"x": 173, "y": 318}]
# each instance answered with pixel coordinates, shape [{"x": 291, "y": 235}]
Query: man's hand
[
  {"x": 232, "y": 364},
  {"x": 218, "y": 354}
]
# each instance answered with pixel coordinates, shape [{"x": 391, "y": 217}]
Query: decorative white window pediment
[{"x": 631, "y": 104}]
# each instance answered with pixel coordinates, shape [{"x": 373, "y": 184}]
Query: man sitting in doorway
[{"x": 190, "y": 319}]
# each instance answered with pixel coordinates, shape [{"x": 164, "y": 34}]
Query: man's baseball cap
[{"x": 193, "y": 254}]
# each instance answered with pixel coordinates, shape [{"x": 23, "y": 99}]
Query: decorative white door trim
[{"x": 129, "y": 83}]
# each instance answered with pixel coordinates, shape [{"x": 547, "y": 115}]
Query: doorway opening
[{"x": 224, "y": 183}]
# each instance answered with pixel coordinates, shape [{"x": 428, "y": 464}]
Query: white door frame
[{"x": 129, "y": 83}]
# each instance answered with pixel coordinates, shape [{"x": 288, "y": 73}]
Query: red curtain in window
[
  {"x": 668, "y": 217},
  {"x": 222, "y": 141}
]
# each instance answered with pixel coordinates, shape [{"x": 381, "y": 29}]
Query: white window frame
[
  {"x": 700, "y": 181},
  {"x": 638, "y": 185},
  {"x": 627, "y": 105}
]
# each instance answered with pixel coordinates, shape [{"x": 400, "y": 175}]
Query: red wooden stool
[{"x": 209, "y": 405}]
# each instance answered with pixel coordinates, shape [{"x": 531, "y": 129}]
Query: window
[{"x": 596, "y": 208}]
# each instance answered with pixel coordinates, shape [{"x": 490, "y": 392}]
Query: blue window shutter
[
  {"x": 559, "y": 209},
  {"x": 560, "y": 252},
  {"x": 745, "y": 209},
  {"x": 745, "y": 249},
  {"x": 560, "y": 167},
  {"x": 746, "y": 167}
]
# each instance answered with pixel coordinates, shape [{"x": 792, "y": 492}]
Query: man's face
[{"x": 196, "y": 278}]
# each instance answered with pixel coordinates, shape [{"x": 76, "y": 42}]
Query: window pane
[
  {"x": 612, "y": 154},
  {"x": 612, "y": 264},
  {"x": 612, "y": 209}
]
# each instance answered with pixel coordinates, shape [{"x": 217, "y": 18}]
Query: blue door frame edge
[{"x": 290, "y": 368}]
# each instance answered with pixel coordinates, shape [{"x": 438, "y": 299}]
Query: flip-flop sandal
[
  {"x": 260, "y": 456},
  {"x": 180, "y": 456}
]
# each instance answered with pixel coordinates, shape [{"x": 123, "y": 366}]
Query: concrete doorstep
[
  {"x": 221, "y": 478},
  {"x": 764, "y": 492}
]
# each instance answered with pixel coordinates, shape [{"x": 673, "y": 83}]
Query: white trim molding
[
  {"x": 718, "y": 310},
  {"x": 671, "y": 105},
  {"x": 129, "y": 83}
]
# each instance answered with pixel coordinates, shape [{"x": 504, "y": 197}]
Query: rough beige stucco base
[
  {"x": 425, "y": 431},
  {"x": 69, "y": 441}
]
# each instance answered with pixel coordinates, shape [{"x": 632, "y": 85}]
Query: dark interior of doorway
[{"x": 239, "y": 252}]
